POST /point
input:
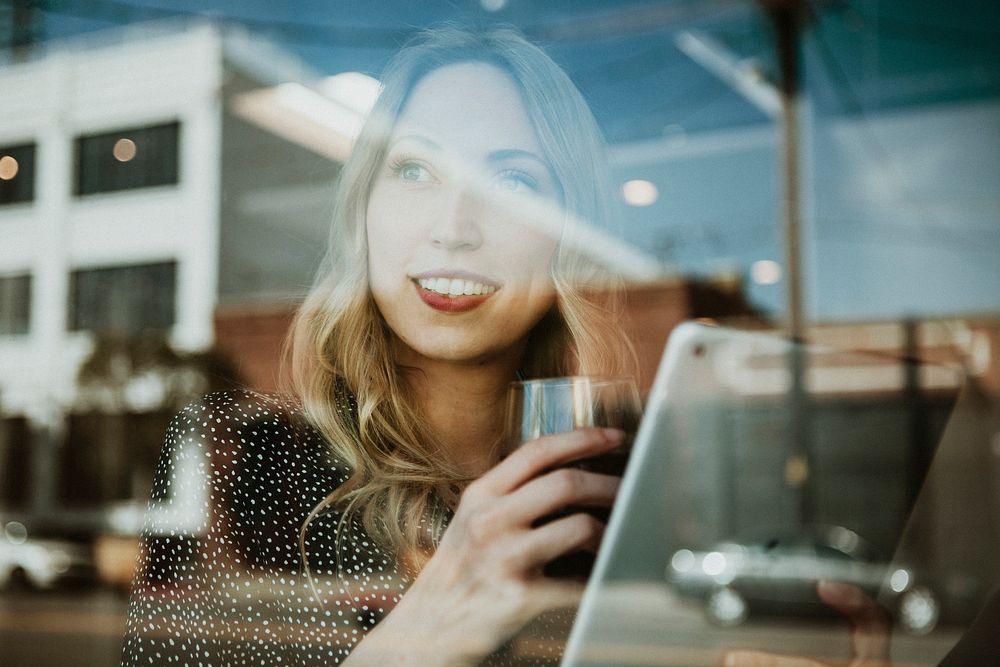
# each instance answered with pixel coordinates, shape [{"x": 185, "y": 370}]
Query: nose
[{"x": 458, "y": 225}]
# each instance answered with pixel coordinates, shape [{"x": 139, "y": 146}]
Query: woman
[{"x": 452, "y": 271}]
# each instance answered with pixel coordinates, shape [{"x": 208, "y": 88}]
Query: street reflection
[{"x": 648, "y": 623}]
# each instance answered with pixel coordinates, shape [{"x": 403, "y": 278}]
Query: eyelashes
[
  {"x": 515, "y": 180},
  {"x": 410, "y": 169}
]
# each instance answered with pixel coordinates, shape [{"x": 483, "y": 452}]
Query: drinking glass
[{"x": 536, "y": 408}]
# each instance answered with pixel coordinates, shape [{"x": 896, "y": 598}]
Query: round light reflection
[
  {"x": 124, "y": 150},
  {"x": 15, "y": 532},
  {"x": 765, "y": 272},
  {"x": 683, "y": 560},
  {"x": 8, "y": 168},
  {"x": 60, "y": 561},
  {"x": 639, "y": 192},
  {"x": 899, "y": 581},
  {"x": 714, "y": 563}
]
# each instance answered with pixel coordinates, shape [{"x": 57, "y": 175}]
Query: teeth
[{"x": 455, "y": 286}]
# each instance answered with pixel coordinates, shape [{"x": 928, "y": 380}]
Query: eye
[
  {"x": 513, "y": 180},
  {"x": 412, "y": 172}
]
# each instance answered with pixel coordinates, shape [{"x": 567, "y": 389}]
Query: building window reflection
[
  {"x": 15, "y": 463},
  {"x": 123, "y": 300},
  {"x": 17, "y": 174},
  {"x": 15, "y": 304},
  {"x": 109, "y": 457},
  {"x": 126, "y": 159}
]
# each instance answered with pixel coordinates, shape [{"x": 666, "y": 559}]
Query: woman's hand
[
  {"x": 869, "y": 633},
  {"x": 485, "y": 580}
]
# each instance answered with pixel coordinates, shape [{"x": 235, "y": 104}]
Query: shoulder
[
  {"x": 256, "y": 461},
  {"x": 250, "y": 427},
  {"x": 236, "y": 407},
  {"x": 231, "y": 416}
]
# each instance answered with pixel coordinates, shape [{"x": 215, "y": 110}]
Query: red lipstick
[{"x": 451, "y": 304}]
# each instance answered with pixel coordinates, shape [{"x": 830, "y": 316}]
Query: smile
[
  {"x": 454, "y": 293},
  {"x": 455, "y": 286}
]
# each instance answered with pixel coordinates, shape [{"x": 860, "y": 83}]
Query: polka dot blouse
[{"x": 220, "y": 578}]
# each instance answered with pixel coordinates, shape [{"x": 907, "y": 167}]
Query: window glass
[
  {"x": 108, "y": 457},
  {"x": 15, "y": 462},
  {"x": 17, "y": 174},
  {"x": 125, "y": 159},
  {"x": 823, "y": 172},
  {"x": 15, "y": 304},
  {"x": 123, "y": 300}
]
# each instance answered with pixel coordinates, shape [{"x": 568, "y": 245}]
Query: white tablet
[{"x": 739, "y": 496}]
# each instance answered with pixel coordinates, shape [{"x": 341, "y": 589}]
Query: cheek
[
  {"x": 389, "y": 242},
  {"x": 535, "y": 290},
  {"x": 397, "y": 223},
  {"x": 532, "y": 256},
  {"x": 379, "y": 219}
]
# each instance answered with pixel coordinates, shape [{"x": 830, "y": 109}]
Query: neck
[{"x": 464, "y": 405}]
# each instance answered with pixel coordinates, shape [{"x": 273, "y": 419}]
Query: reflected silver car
[
  {"x": 780, "y": 575},
  {"x": 40, "y": 563}
]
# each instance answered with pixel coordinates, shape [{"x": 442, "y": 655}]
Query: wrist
[{"x": 407, "y": 636}]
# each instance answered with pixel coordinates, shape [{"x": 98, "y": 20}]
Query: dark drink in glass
[{"x": 555, "y": 405}]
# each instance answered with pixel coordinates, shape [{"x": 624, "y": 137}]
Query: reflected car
[
  {"x": 41, "y": 563},
  {"x": 779, "y": 575}
]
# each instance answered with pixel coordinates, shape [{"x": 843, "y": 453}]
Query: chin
[
  {"x": 469, "y": 339},
  {"x": 459, "y": 354},
  {"x": 440, "y": 346}
]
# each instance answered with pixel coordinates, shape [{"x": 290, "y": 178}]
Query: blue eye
[
  {"x": 412, "y": 172},
  {"x": 512, "y": 180}
]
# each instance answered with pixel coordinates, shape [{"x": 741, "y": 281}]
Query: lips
[{"x": 453, "y": 291}]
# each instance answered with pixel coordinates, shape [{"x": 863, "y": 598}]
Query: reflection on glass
[
  {"x": 124, "y": 150},
  {"x": 639, "y": 193},
  {"x": 738, "y": 543},
  {"x": 8, "y": 168}
]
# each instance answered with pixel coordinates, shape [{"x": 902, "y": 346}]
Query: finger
[
  {"x": 533, "y": 458},
  {"x": 764, "y": 659},
  {"x": 558, "y": 489},
  {"x": 549, "y": 594},
  {"x": 859, "y": 608},
  {"x": 576, "y": 532},
  {"x": 869, "y": 620}
]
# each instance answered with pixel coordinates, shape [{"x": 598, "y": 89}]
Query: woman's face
[{"x": 453, "y": 272}]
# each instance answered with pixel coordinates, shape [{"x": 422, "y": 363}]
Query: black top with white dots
[{"x": 220, "y": 578}]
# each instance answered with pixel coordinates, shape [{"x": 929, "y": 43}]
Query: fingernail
[
  {"x": 614, "y": 435},
  {"x": 836, "y": 589},
  {"x": 731, "y": 660}
]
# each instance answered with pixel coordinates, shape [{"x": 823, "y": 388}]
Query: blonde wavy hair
[{"x": 402, "y": 486}]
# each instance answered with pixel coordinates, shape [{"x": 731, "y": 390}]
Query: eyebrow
[
  {"x": 494, "y": 156},
  {"x": 517, "y": 153},
  {"x": 418, "y": 138}
]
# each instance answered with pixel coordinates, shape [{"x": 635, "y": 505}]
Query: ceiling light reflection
[
  {"x": 765, "y": 272},
  {"x": 639, "y": 192}
]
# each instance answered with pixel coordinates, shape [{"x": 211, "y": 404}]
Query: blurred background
[{"x": 825, "y": 168}]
